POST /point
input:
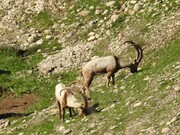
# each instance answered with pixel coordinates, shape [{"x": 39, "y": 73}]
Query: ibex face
[{"x": 133, "y": 68}]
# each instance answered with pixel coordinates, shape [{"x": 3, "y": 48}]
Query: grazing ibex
[
  {"x": 69, "y": 97},
  {"x": 109, "y": 65}
]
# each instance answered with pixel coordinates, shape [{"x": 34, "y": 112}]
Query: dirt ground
[{"x": 12, "y": 105}]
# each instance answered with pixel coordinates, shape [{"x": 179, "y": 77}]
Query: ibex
[
  {"x": 69, "y": 97},
  {"x": 109, "y": 65}
]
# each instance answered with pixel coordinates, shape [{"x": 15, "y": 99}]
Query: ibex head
[{"x": 133, "y": 67}]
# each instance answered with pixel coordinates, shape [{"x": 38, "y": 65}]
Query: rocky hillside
[
  {"x": 76, "y": 28},
  {"x": 56, "y": 38}
]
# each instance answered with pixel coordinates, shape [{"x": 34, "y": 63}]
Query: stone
[
  {"x": 108, "y": 134},
  {"x": 136, "y": 7},
  {"x": 114, "y": 18},
  {"x": 32, "y": 38},
  {"x": 174, "y": 119},
  {"x": 39, "y": 42},
  {"x": 108, "y": 32},
  {"x": 91, "y": 7},
  {"x": 97, "y": 12},
  {"x": 122, "y": 87},
  {"x": 93, "y": 125},
  {"x": 177, "y": 88},
  {"x": 48, "y": 36},
  {"x": 113, "y": 127},
  {"x": 105, "y": 12},
  {"x": 91, "y": 34},
  {"x": 84, "y": 13},
  {"x": 92, "y": 38},
  {"x": 110, "y": 4},
  {"x": 61, "y": 128},
  {"x": 21, "y": 133},
  {"x": 137, "y": 104},
  {"x": 165, "y": 130},
  {"x": 151, "y": 130},
  {"x": 67, "y": 131}
]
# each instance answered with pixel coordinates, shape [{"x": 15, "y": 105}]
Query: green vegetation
[
  {"x": 119, "y": 115},
  {"x": 43, "y": 20},
  {"x": 101, "y": 48},
  {"x": 151, "y": 87}
]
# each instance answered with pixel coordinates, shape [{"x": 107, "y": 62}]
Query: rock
[
  {"x": 48, "y": 31},
  {"x": 30, "y": 71},
  {"x": 147, "y": 78},
  {"x": 105, "y": 12},
  {"x": 97, "y": 11},
  {"x": 91, "y": 34},
  {"x": 59, "y": 128},
  {"x": 108, "y": 134},
  {"x": 110, "y": 4},
  {"x": 114, "y": 18},
  {"x": 91, "y": 7},
  {"x": 48, "y": 36},
  {"x": 165, "y": 130},
  {"x": 84, "y": 13},
  {"x": 67, "y": 121},
  {"x": 112, "y": 106},
  {"x": 93, "y": 125},
  {"x": 136, "y": 7},
  {"x": 108, "y": 32},
  {"x": 32, "y": 38},
  {"x": 39, "y": 42},
  {"x": 113, "y": 127},
  {"x": 133, "y": 2},
  {"x": 92, "y": 38},
  {"x": 93, "y": 131},
  {"x": 174, "y": 119},
  {"x": 4, "y": 124},
  {"x": 137, "y": 104},
  {"x": 21, "y": 133},
  {"x": 177, "y": 88},
  {"x": 123, "y": 87},
  {"x": 67, "y": 131},
  {"x": 151, "y": 130},
  {"x": 39, "y": 50}
]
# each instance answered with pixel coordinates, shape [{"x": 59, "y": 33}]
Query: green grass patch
[
  {"x": 43, "y": 20},
  {"x": 101, "y": 48}
]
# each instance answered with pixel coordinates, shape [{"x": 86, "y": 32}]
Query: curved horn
[{"x": 138, "y": 49}]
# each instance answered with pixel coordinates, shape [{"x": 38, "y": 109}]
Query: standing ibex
[{"x": 109, "y": 65}]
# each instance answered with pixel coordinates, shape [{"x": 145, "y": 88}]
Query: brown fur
[
  {"x": 110, "y": 69},
  {"x": 63, "y": 104}
]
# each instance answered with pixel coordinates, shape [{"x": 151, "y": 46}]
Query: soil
[{"x": 11, "y": 104}]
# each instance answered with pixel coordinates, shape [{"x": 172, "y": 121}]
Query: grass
[
  {"x": 101, "y": 48},
  {"x": 118, "y": 116},
  {"x": 14, "y": 77},
  {"x": 43, "y": 20}
]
